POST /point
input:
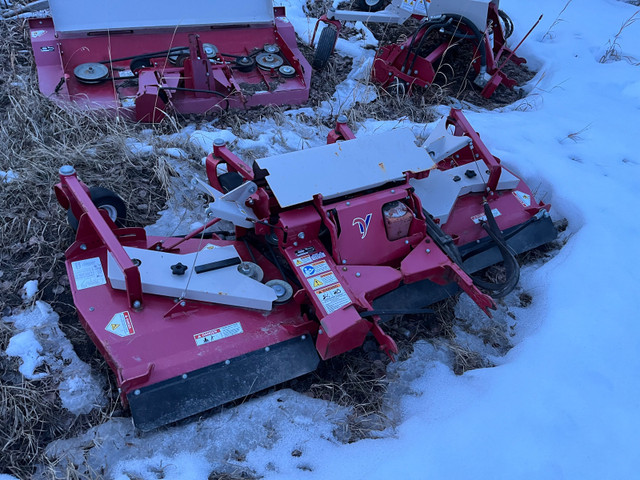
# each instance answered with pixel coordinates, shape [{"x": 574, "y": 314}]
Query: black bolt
[
  {"x": 470, "y": 173},
  {"x": 456, "y": 178}
]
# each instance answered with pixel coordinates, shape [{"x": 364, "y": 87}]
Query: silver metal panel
[
  {"x": 344, "y": 167},
  {"x": 98, "y": 15},
  {"x": 439, "y": 191},
  {"x": 474, "y": 10},
  {"x": 225, "y": 286}
]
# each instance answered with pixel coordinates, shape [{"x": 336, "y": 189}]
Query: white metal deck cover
[
  {"x": 344, "y": 167},
  {"x": 99, "y": 15}
]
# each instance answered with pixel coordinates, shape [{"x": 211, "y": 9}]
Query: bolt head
[
  {"x": 393, "y": 191},
  {"x": 227, "y": 362},
  {"x": 428, "y": 250},
  {"x": 357, "y": 274},
  {"x": 137, "y": 304},
  {"x": 183, "y": 303},
  {"x": 136, "y": 392},
  {"x": 184, "y": 376},
  {"x": 342, "y": 119},
  {"x": 304, "y": 337},
  {"x": 295, "y": 244},
  {"x": 348, "y": 203},
  {"x": 219, "y": 142},
  {"x": 266, "y": 349},
  {"x": 320, "y": 332},
  {"x": 344, "y": 262},
  {"x": 67, "y": 170},
  {"x": 91, "y": 309},
  {"x": 83, "y": 247},
  {"x": 406, "y": 242},
  {"x": 301, "y": 235}
]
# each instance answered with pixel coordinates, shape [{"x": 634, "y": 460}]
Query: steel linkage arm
[
  {"x": 463, "y": 127},
  {"x": 71, "y": 193}
]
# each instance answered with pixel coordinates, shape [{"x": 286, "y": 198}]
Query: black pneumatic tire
[
  {"x": 109, "y": 201},
  {"x": 371, "y": 5},
  {"x": 325, "y": 46}
]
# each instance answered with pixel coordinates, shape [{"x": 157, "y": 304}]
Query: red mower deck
[
  {"x": 147, "y": 59},
  {"x": 364, "y": 229}
]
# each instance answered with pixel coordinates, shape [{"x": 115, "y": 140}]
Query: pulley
[
  {"x": 287, "y": 71},
  {"x": 210, "y": 50},
  {"x": 251, "y": 270},
  {"x": 271, "y": 48},
  {"x": 245, "y": 64},
  {"x": 269, "y": 61},
  {"x": 91, "y": 73},
  {"x": 282, "y": 289}
]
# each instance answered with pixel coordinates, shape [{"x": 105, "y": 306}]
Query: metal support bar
[{"x": 76, "y": 194}]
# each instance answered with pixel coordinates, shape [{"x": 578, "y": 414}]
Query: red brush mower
[
  {"x": 145, "y": 58},
  {"x": 329, "y": 242},
  {"x": 402, "y": 65}
]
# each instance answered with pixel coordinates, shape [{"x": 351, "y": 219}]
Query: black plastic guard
[
  {"x": 479, "y": 255},
  {"x": 180, "y": 397}
]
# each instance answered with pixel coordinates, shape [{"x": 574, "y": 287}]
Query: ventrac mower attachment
[
  {"x": 145, "y": 58},
  {"x": 415, "y": 61},
  {"x": 329, "y": 242}
]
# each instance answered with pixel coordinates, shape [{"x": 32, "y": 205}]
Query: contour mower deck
[
  {"x": 329, "y": 241},
  {"x": 145, "y": 59}
]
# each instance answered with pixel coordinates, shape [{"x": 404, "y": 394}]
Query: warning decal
[
  {"x": 218, "y": 333},
  {"x": 303, "y": 260},
  {"x": 523, "y": 198},
  {"x": 315, "y": 268},
  {"x": 333, "y": 297},
  {"x": 88, "y": 273},
  {"x": 481, "y": 217},
  {"x": 322, "y": 280},
  {"x": 121, "y": 325}
]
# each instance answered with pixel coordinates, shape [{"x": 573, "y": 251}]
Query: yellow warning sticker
[
  {"x": 322, "y": 280},
  {"x": 121, "y": 325},
  {"x": 333, "y": 297}
]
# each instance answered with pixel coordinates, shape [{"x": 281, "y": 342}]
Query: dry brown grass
[{"x": 37, "y": 137}]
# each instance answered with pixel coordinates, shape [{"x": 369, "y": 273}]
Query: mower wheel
[
  {"x": 371, "y": 5},
  {"x": 325, "y": 46},
  {"x": 104, "y": 199}
]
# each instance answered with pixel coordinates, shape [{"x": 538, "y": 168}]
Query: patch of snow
[
  {"x": 29, "y": 290},
  {"x": 8, "y": 176},
  {"x": 26, "y": 346},
  {"x": 278, "y": 421},
  {"x": 139, "y": 148},
  {"x": 40, "y": 341},
  {"x": 204, "y": 139}
]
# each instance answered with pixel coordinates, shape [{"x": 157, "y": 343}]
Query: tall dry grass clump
[{"x": 36, "y": 138}]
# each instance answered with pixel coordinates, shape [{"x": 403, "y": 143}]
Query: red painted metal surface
[
  {"x": 163, "y": 87},
  {"x": 391, "y": 61},
  {"x": 335, "y": 254}
]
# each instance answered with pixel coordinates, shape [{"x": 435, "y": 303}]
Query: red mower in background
[
  {"x": 413, "y": 62},
  {"x": 329, "y": 242},
  {"x": 145, "y": 59}
]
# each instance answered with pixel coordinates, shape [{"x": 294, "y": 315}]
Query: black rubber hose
[
  {"x": 510, "y": 262},
  {"x": 478, "y": 35},
  {"x": 430, "y": 27},
  {"x": 445, "y": 242},
  {"x": 508, "y": 23}
]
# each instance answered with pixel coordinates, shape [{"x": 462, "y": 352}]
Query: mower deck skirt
[{"x": 195, "y": 392}]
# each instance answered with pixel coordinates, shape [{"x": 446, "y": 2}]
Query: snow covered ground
[{"x": 564, "y": 402}]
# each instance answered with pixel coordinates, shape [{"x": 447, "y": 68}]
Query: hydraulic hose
[{"x": 446, "y": 244}]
